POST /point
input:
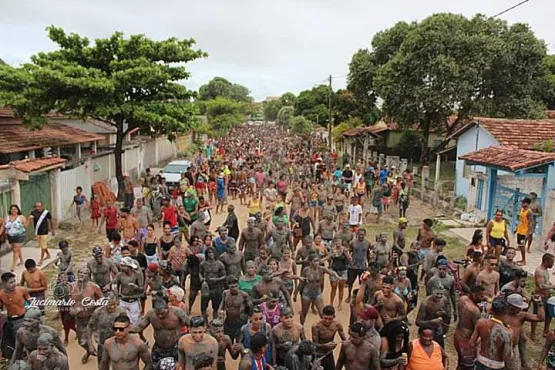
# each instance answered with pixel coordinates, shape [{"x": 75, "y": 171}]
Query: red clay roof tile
[
  {"x": 18, "y": 138},
  {"x": 507, "y": 157},
  {"x": 30, "y": 165}
]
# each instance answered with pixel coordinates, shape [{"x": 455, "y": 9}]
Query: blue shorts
[
  {"x": 342, "y": 276},
  {"x": 313, "y": 203}
]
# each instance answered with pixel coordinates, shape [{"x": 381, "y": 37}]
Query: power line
[{"x": 511, "y": 8}]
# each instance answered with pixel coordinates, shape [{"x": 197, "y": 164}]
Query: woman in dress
[
  {"x": 247, "y": 281},
  {"x": 15, "y": 226},
  {"x": 311, "y": 288}
]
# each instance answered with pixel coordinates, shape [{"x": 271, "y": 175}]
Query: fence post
[{"x": 425, "y": 175}]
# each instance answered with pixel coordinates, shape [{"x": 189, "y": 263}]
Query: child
[
  {"x": 64, "y": 261},
  {"x": 95, "y": 211}
]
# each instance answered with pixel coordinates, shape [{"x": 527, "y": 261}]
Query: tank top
[
  {"x": 360, "y": 188},
  {"x": 247, "y": 341},
  {"x": 255, "y": 207},
  {"x": 339, "y": 263},
  {"x": 497, "y": 229},
  {"x": 15, "y": 227},
  {"x": 524, "y": 222},
  {"x": 360, "y": 250},
  {"x": 166, "y": 246},
  {"x": 420, "y": 360},
  {"x": 150, "y": 248},
  {"x": 272, "y": 317}
]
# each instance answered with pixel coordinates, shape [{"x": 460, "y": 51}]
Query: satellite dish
[{"x": 4, "y": 158}]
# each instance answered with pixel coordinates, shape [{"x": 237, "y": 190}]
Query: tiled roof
[
  {"x": 551, "y": 114},
  {"x": 509, "y": 158},
  {"x": 18, "y": 138},
  {"x": 519, "y": 133},
  {"x": 365, "y": 130},
  {"x": 31, "y": 165}
]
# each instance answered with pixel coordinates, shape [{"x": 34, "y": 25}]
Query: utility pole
[{"x": 330, "y": 120}]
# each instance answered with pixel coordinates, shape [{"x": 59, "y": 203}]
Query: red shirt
[
  {"x": 221, "y": 150},
  {"x": 170, "y": 214},
  {"x": 111, "y": 215}
]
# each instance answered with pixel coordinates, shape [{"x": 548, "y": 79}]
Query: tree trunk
[
  {"x": 118, "y": 151},
  {"x": 424, "y": 150}
]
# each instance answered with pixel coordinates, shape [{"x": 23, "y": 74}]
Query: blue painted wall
[{"x": 466, "y": 143}]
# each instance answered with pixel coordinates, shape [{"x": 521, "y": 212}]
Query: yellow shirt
[
  {"x": 523, "y": 227},
  {"x": 254, "y": 206},
  {"x": 497, "y": 229}
]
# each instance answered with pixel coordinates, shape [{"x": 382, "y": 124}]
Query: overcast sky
[{"x": 269, "y": 46}]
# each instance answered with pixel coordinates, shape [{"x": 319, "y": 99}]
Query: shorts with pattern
[{"x": 342, "y": 276}]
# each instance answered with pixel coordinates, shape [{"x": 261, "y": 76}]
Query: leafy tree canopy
[
  {"x": 220, "y": 87},
  {"x": 223, "y": 114},
  {"x": 129, "y": 82},
  {"x": 313, "y": 104},
  {"x": 424, "y": 72},
  {"x": 547, "y": 87},
  {"x": 285, "y": 115},
  {"x": 271, "y": 109},
  {"x": 288, "y": 99},
  {"x": 301, "y": 126}
]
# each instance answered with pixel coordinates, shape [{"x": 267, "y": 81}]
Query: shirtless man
[
  {"x": 399, "y": 241},
  {"x": 389, "y": 305},
  {"x": 327, "y": 228},
  {"x": 518, "y": 284},
  {"x": 102, "y": 320},
  {"x": 382, "y": 250},
  {"x": 357, "y": 353},
  {"x": 86, "y": 296},
  {"x": 471, "y": 272},
  {"x": 130, "y": 288},
  {"x": 516, "y": 316},
  {"x": 494, "y": 336},
  {"x": 323, "y": 335},
  {"x": 35, "y": 280},
  {"x": 251, "y": 240},
  {"x": 47, "y": 355},
  {"x": 235, "y": 306},
  {"x": 129, "y": 225},
  {"x": 489, "y": 277},
  {"x": 196, "y": 342},
  {"x": 285, "y": 335},
  {"x": 426, "y": 237},
  {"x": 371, "y": 282},
  {"x": 233, "y": 261},
  {"x": 224, "y": 343},
  {"x": 167, "y": 323},
  {"x": 212, "y": 272},
  {"x": 306, "y": 249},
  {"x": 543, "y": 288},
  {"x": 12, "y": 298},
  {"x": 470, "y": 314},
  {"x": 198, "y": 228},
  {"x": 124, "y": 350},
  {"x": 282, "y": 239},
  {"x": 64, "y": 260},
  {"x": 448, "y": 283},
  {"x": 102, "y": 270},
  {"x": 433, "y": 312},
  {"x": 432, "y": 256},
  {"x": 27, "y": 336},
  {"x": 266, "y": 285}
]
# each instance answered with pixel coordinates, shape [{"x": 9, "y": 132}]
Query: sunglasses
[{"x": 116, "y": 328}]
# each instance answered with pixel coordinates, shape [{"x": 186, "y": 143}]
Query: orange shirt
[
  {"x": 420, "y": 360},
  {"x": 15, "y": 301}
]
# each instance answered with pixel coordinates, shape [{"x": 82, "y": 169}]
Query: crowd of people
[{"x": 306, "y": 220}]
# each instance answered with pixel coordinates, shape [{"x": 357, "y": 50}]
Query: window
[{"x": 466, "y": 171}]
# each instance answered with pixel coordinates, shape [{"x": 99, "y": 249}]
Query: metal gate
[
  {"x": 36, "y": 189},
  {"x": 509, "y": 200}
]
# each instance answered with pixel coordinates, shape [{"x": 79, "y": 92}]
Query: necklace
[{"x": 497, "y": 321}]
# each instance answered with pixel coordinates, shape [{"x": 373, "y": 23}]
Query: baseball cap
[
  {"x": 97, "y": 251},
  {"x": 517, "y": 301},
  {"x": 370, "y": 314},
  {"x": 403, "y": 220}
]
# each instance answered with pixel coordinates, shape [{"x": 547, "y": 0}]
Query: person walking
[
  {"x": 14, "y": 225},
  {"x": 42, "y": 218}
]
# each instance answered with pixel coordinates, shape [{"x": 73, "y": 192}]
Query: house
[
  {"x": 498, "y": 164},
  {"x": 386, "y": 134}
]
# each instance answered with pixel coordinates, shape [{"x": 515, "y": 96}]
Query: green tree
[
  {"x": 220, "y": 87},
  {"x": 128, "y": 82},
  {"x": 288, "y": 99},
  {"x": 346, "y": 125},
  {"x": 285, "y": 114},
  {"x": 301, "y": 126},
  {"x": 313, "y": 104},
  {"x": 224, "y": 114},
  {"x": 449, "y": 64},
  {"x": 271, "y": 109},
  {"x": 547, "y": 87}
]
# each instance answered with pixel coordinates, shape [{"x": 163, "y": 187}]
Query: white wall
[
  {"x": 473, "y": 139},
  {"x": 69, "y": 181}
]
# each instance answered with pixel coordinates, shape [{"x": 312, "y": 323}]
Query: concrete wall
[
  {"x": 474, "y": 139},
  {"x": 526, "y": 185}
]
